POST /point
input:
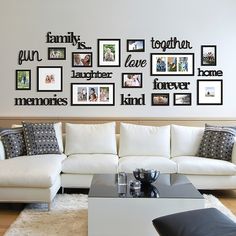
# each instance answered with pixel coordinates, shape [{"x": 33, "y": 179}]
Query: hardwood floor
[{"x": 9, "y": 212}]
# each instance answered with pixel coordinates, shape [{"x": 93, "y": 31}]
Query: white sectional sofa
[{"x": 94, "y": 149}]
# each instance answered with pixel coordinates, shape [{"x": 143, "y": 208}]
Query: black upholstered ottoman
[{"x": 203, "y": 222}]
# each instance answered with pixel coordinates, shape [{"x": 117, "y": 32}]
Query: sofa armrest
[{"x": 234, "y": 154}]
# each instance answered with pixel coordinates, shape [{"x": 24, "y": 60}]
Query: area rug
[{"x": 68, "y": 217}]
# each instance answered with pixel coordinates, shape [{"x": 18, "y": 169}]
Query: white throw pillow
[
  {"x": 58, "y": 132},
  {"x": 139, "y": 140},
  {"x": 185, "y": 140},
  {"x": 2, "y": 151},
  {"x": 91, "y": 138}
]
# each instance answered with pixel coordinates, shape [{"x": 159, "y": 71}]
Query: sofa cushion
[
  {"x": 40, "y": 138},
  {"x": 139, "y": 140},
  {"x": 2, "y": 151},
  {"x": 130, "y": 163},
  {"x": 185, "y": 140},
  {"x": 203, "y": 166},
  {"x": 217, "y": 142},
  {"x": 90, "y": 164},
  {"x": 13, "y": 142},
  {"x": 91, "y": 139},
  {"x": 41, "y": 171}
]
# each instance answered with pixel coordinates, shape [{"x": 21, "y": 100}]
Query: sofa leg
[
  {"x": 62, "y": 190},
  {"x": 49, "y": 206}
]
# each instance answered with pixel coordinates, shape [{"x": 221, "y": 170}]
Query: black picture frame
[
  {"x": 134, "y": 41},
  {"x": 114, "y": 45},
  {"x": 45, "y": 77},
  {"x": 209, "y": 92},
  {"x": 211, "y": 59},
  {"x": 184, "y": 101},
  {"x": 23, "y": 79},
  {"x": 163, "y": 65},
  {"x": 135, "y": 84},
  {"x": 56, "y": 53},
  {"x": 80, "y": 98},
  {"x": 161, "y": 102},
  {"x": 81, "y": 62}
]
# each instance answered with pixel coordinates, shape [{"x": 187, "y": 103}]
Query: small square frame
[
  {"x": 137, "y": 80},
  {"x": 23, "y": 79},
  {"x": 56, "y": 53},
  {"x": 210, "y": 59},
  {"x": 135, "y": 45},
  {"x": 182, "y": 99},
  {"x": 161, "y": 97}
]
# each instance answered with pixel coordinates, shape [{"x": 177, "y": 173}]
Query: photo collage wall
[{"x": 209, "y": 91}]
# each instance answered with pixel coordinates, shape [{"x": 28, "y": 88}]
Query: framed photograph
[
  {"x": 160, "y": 99},
  {"x": 56, "y": 53},
  {"x": 208, "y": 55},
  {"x": 172, "y": 64},
  {"x": 182, "y": 99},
  {"x": 82, "y": 59},
  {"x": 23, "y": 79},
  {"x": 209, "y": 92},
  {"x": 92, "y": 94},
  {"x": 49, "y": 78},
  {"x": 109, "y": 52},
  {"x": 132, "y": 80},
  {"x": 135, "y": 45}
]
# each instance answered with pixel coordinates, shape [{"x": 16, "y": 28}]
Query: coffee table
[{"x": 114, "y": 211}]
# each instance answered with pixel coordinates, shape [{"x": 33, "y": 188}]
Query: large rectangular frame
[
  {"x": 189, "y": 71},
  {"x": 84, "y": 96}
]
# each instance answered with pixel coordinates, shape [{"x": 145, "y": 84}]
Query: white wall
[{"x": 24, "y": 25}]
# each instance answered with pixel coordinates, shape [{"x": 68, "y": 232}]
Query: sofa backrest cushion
[
  {"x": 185, "y": 140},
  {"x": 139, "y": 140},
  {"x": 90, "y": 138}
]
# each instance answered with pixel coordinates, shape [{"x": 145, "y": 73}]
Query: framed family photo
[
  {"x": 175, "y": 64},
  {"x": 160, "y": 99},
  {"x": 49, "y": 78},
  {"x": 56, "y": 53},
  {"x": 208, "y": 55},
  {"x": 23, "y": 79},
  {"x": 182, "y": 99},
  {"x": 132, "y": 80},
  {"x": 209, "y": 92},
  {"x": 135, "y": 45},
  {"x": 92, "y": 94},
  {"x": 109, "y": 52},
  {"x": 82, "y": 59}
]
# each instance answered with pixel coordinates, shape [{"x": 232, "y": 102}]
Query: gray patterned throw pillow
[
  {"x": 13, "y": 142},
  {"x": 40, "y": 138},
  {"x": 217, "y": 142}
]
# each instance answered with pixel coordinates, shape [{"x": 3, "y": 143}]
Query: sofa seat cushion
[
  {"x": 90, "y": 164},
  {"x": 130, "y": 163},
  {"x": 39, "y": 171},
  {"x": 203, "y": 166}
]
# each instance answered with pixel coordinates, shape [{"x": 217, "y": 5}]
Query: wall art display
[
  {"x": 172, "y": 64},
  {"x": 182, "y": 99},
  {"x": 135, "y": 45},
  {"x": 209, "y": 92},
  {"x": 160, "y": 99},
  {"x": 56, "y": 53},
  {"x": 49, "y": 78},
  {"x": 95, "y": 94},
  {"x": 23, "y": 79},
  {"x": 82, "y": 59},
  {"x": 208, "y": 55},
  {"x": 132, "y": 80},
  {"x": 109, "y": 52}
]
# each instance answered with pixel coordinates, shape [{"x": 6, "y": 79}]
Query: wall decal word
[
  {"x": 135, "y": 63},
  {"x": 132, "y": 100},
  {"x": 209, "y": 72},
  {"x": 70, "y": 37},
  {"x": 170, "y": 85},
  {"x": 172, "y": 43},
  {"x": 91, "y": 74},
  {"x": 28, "y": 55},
  {"x": 55, "y": 101}
]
